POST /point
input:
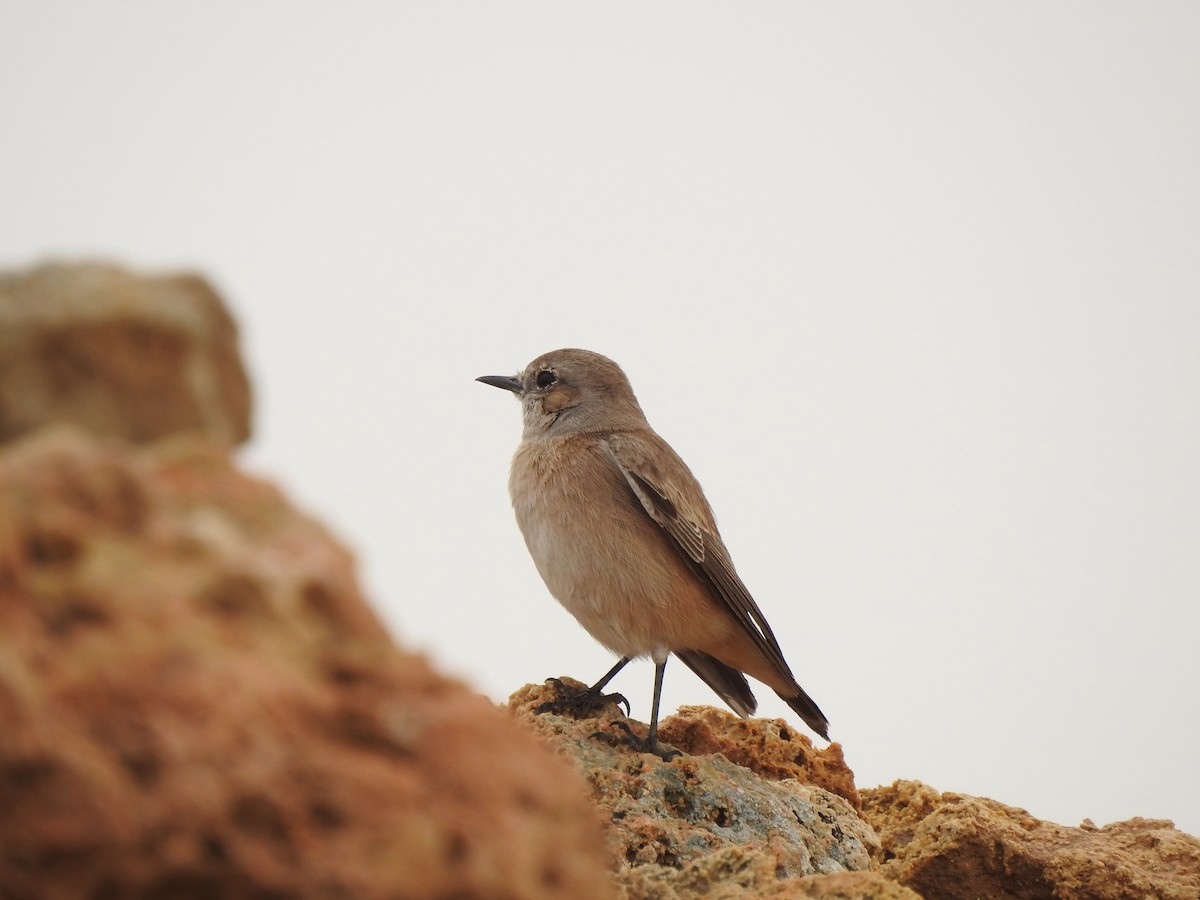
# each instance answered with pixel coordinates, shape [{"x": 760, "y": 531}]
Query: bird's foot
[
  {"x": 647, "y": 744},
  {"x": 580, "y": 704}
]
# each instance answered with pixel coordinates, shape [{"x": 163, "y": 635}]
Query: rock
[
  {"x": 771, "y": 747},
  {"x": 195, "y": 701},
  {"x": 954, "y": 846},
  {"x": 136, "y": 357},
  {"x": 733, "y": 874},
  {"x": 703, "y": 825}
]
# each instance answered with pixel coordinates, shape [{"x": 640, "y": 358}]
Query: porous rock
[
  {"x": 125, "y": 355},
  {"x": 737, "y": 874},
  {"x": 771, "y": 747},
  {"x": 953, "y": 846},
  {"x": 702, "y": 825},
  {"x": 196, "y": 701}
]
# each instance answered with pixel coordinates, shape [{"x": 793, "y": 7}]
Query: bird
[{"x": 623, "y": 537}]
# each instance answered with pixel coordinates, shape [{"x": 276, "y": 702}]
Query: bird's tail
[
  {"x": 732, "y": 687},
  {"x": 808, "y": 710},
  {"x": 730, "y": 684}
]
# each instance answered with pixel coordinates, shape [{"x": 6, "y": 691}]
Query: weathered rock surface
[
  {"x": 771, "y": 747},
  {"x": 734, "y": 874},
  {"x": 781, "y": 823},
  {"x": 195, "y": 701},
  {"x": 123, "y": 355},
  {"x": 954, "y": 846},
  {"x": 702, "y": 825}
]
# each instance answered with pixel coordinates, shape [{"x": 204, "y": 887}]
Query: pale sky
[{"x": 913, "y": 288}]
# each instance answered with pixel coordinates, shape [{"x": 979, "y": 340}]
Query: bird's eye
[{"x": 545, "y": 378}]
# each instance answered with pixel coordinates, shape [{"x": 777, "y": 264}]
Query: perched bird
[{"x": 619, "y": 530}]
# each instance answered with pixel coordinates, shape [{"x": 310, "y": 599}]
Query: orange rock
[
  {"x": 196, "y": 701},
  {"x": 136, "y": 357},
  {"x": 955, "y": 846},
  {"x": 770, "y": 747}
]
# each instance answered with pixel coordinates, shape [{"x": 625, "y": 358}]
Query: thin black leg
[
  {"x": 652, "y": 739},
  {"x": 648, "y": 744},
  {"x": 612, "y": 673}
]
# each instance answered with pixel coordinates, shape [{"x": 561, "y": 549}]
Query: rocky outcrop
[
  {"x": 750, "y": 809},
  {"x": 958, "y": 847},
  {"x": 119, "y": 354}
]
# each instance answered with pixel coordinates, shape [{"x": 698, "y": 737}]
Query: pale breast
[{"x": 597, "y": 550}]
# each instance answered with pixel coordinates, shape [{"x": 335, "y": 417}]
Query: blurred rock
[
  {"x": 954, "y": 846},
  {"x": 195, "y": 701},
  {"x": 702, "y": 825},
  {"x": 136, "y": 357}
]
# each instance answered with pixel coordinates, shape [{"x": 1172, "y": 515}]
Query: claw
[{"x": 581, "y": 705}]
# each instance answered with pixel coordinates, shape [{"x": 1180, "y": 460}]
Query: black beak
[{"x": 503, "y": 381}]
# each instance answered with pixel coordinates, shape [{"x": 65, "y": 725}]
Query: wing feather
[{"x": 695, "y": 535}]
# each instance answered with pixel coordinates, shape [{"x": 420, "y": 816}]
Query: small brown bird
[{"x": 619, "y": 530}]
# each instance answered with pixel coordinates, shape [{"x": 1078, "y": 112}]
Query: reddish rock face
[{"x": 196, "y": 701}]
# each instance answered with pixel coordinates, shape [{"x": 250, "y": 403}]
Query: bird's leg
[
  {"x": 648, "y": 744},
  {"x": 584, "y": 702}
]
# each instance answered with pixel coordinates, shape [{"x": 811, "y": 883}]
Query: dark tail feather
[
  {"x": 730, "y": 684},
  {"x": 808, "y": 711},
  {"x": 732, "y": 687}
]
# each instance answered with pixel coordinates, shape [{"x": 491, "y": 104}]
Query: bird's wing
[{"x": 658, "y": 478}]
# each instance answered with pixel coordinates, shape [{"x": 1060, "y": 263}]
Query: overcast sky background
[{"x": 914, "y": 289}]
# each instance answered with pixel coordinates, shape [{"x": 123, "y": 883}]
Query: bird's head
[{"x": 572, "y": 392}]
